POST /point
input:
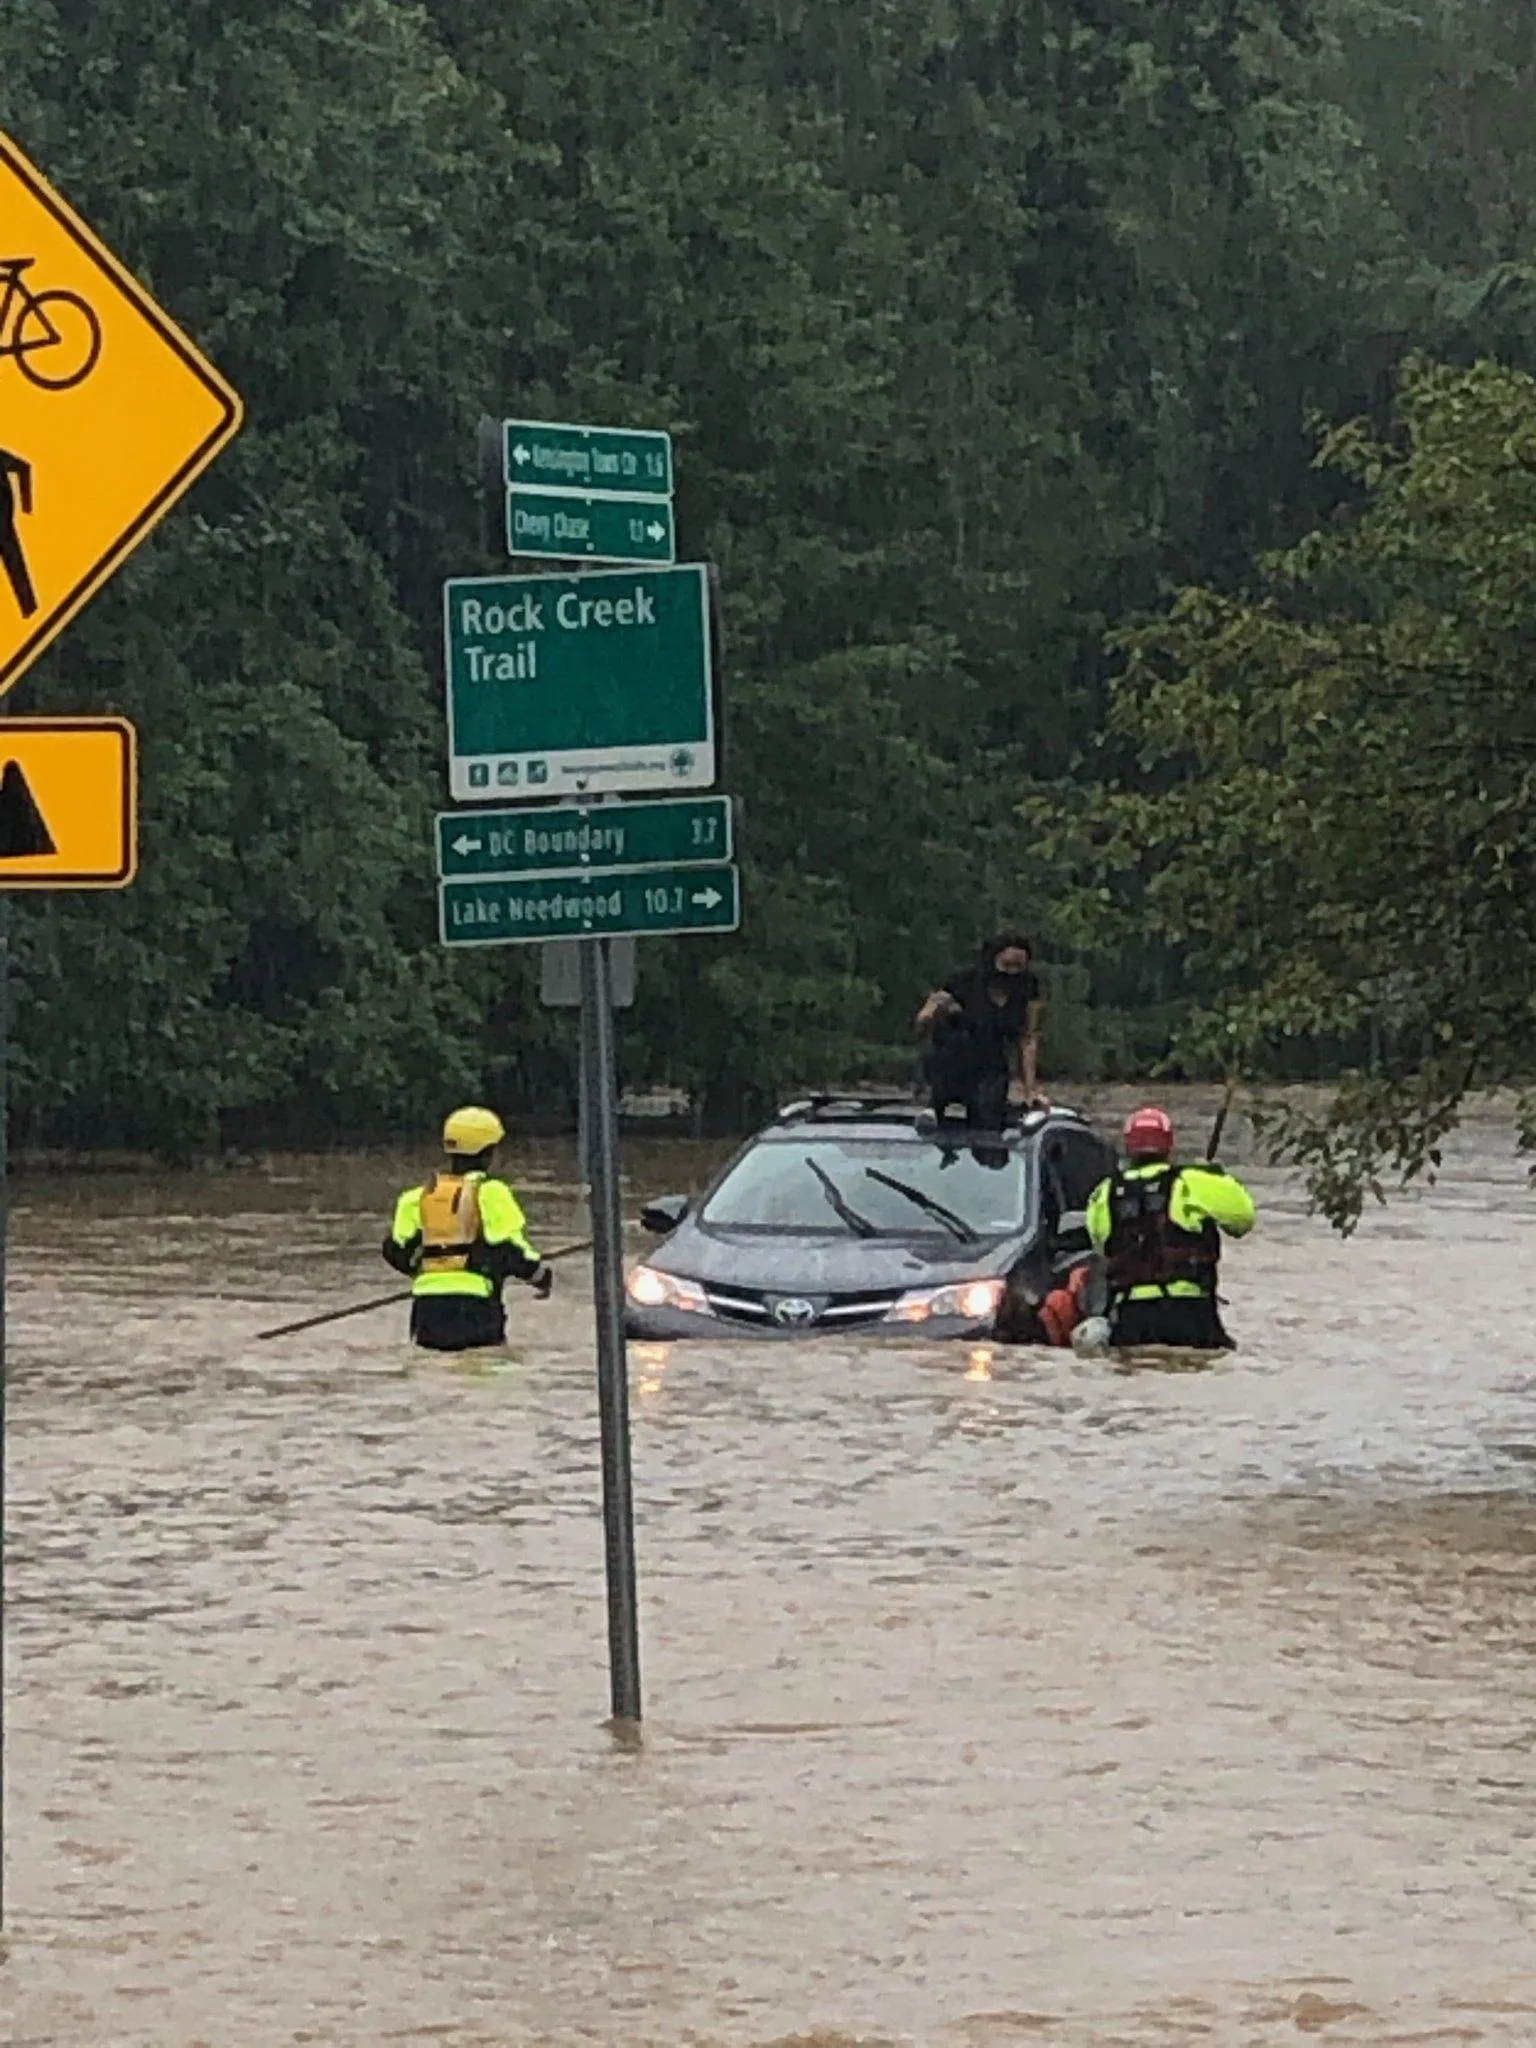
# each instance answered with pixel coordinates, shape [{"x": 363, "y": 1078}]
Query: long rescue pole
[
  {"x": 363, "y": 1308},
  {"x": 1213, "y": 1143}
]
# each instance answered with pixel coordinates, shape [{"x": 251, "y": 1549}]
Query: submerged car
[{"x": 860, "y": 1213}]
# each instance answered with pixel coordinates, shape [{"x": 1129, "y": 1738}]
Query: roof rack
[
  {"x": 854, "y": 1107},
  {"x": 849, "y": 1108}
]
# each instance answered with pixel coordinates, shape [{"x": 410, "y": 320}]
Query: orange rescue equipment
[
  {"x": 450, "y": 1221},
  {"x": 1062, "y": 1309}
]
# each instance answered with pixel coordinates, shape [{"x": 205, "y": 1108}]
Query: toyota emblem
[{"x": 794, "y": 1313}]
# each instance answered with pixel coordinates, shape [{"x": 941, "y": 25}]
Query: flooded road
[{"x": 994, "y": 1699}]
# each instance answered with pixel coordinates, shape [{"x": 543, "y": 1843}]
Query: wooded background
[{"x": 984, "y": 327}]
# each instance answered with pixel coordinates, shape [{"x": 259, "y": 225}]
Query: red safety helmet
[{"x": 1148, "y": 1134}]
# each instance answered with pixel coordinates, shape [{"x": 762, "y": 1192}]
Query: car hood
[{"x": 828, "y": 1265}]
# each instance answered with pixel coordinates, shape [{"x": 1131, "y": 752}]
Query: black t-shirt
[{"x": 986, "y": 1031}]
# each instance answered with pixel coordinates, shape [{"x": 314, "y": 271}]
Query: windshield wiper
[
  {"x": 859, "y": 1225},
  {"x": 955, "y": 1224}
]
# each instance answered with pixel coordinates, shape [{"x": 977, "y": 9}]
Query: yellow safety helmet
[{"x": 471, "y": 1131}]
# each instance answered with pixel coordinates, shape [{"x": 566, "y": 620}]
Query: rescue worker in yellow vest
[
  {"x": 1160, "y": 1228},
  {"x": 460, "y": 1238}
]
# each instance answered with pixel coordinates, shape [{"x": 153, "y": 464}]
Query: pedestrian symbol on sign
[{"x": 15, "y": 499}]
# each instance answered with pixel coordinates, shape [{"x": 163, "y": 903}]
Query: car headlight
[
  {"x": 974, "y": 1301},
  {"x": 649, "y": 1287}
]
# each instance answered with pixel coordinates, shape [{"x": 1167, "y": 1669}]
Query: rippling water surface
[{"x": 993, "y": 1698}]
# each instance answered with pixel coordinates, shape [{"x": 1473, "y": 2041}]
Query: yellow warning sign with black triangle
[
  {"x": 107, "y": 413},
  {"x": 68, "y": 803}
]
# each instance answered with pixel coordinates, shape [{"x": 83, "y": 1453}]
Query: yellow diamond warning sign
[
  {"x": 107, "y": 413},
  {"x": 68, "y": 803}
]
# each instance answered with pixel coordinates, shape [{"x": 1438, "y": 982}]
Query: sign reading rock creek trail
[{"x": 576, "y": 685}]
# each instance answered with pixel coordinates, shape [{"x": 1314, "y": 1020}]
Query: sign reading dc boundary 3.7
[
  {"x": 107, "y": 413},
  {"x": 575, "y": 685}
]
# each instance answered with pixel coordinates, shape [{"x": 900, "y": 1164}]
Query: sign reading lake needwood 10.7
[
  {"x": 644, "y": 901},
  {"x": 579, "y": 685}
]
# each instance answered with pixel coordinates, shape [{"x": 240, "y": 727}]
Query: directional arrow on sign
[
  {"x": 520, "y": 454},
  {"x": 656, "y": 530},
  {"x": 708, "y": 898},
  {"x": 464, "y": 844}
]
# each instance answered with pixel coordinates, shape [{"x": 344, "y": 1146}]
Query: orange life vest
[
  {"x": 450, "y": 1221},
  {"x": 1062, "y": 1309}
]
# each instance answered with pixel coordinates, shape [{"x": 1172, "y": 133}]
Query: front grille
[
  {"x": 851, "y": 1309},
  {"x": 755, "y": 1307},
  {"x": 738, "y": 1308}
]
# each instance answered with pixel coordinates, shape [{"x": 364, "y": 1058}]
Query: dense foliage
[
  {"x": 1337, "y": 826},
  {"x": 982, "y": 326}
]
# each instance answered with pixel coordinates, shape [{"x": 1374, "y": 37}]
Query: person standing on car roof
[
  {"x": 1160, "y": 1228},
  {"x": 459, "y": 1238},
  {"x": 983, "y": 1029}
]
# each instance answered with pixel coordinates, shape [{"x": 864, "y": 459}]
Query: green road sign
[
  {"x": 621, "y": 461},
  {"x": 585, "y": 528},
  {"x": 577, "y": 685},
  {"x": 642, "y": 901},
  {"x": 568, "y": 838}
]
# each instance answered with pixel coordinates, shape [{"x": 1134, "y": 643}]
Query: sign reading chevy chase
[
  {"x": 589, "y": 529},
  {"x": 573, "y": 685}
]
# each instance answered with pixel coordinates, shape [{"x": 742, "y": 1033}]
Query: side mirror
[{"x": 664, "y": 1214}]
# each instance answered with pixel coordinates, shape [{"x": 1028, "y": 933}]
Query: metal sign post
[
  {"x": 597, "y": 1061},
  {"x": 566, "y": 691}
]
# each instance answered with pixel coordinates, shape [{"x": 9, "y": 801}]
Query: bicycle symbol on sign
[{"x": 54, "y": 336}]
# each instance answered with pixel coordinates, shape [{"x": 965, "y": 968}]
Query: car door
[{"x": 1073, "y": 1163}]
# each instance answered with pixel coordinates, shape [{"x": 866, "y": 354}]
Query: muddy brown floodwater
[{"x": 995, "y": 1699}]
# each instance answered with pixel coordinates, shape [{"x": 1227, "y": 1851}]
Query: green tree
[{"x": 1334, "y": 818}]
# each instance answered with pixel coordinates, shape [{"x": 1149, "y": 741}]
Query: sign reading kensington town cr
[
  {"x": 574, "y": 685},
  {"x": 107, "y": 413}
]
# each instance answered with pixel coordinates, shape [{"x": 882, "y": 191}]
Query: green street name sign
[
  {"x": 569, "y": 838},
  {"x": 642, "y": 902},
  {"x": 621, "y": 461},
  {"x": 594, "y": 529},
  {"x": 579, "y": 685}
]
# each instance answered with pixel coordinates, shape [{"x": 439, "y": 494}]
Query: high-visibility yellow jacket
[
  {"x": 1198, "y": 1205},
  {"x": 460, "y": 1233}
]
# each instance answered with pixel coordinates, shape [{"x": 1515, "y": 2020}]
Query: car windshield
[{"x": 867, "y": 1187}]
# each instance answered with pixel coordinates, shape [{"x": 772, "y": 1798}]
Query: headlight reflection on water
[
  {"x": 980, "y": 1367},
  {"x": 651, "y": 1360}
]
